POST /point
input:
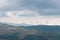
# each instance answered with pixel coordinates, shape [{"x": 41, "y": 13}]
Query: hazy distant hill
[
  {"x": 33, "y": 32},
  {"x": 45, "y": 27}
]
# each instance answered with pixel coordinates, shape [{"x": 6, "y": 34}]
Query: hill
[{"x": 34, "y": 32}]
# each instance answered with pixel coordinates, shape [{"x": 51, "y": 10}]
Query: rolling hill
[{"x": 33, "y": 32}]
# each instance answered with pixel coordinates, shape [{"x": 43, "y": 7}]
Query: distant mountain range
[
  {"x": 23, "y": 24},
  {"x": 14, "y": 24}
]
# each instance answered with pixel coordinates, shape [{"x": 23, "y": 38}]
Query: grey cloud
[
  {"x": 34, "y": 5},
  {"x": 3, "y": 14},
  {"x": 29, "y": 4}
]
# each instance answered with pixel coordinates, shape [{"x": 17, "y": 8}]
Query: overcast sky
[{"x": 15, "y": 11}]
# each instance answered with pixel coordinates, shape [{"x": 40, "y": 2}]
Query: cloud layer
[
  {"x": 12, "y": 10},
  {"x": 43, "y": 7}
]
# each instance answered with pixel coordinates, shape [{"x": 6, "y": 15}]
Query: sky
[{"x": 45, "y": 12}]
